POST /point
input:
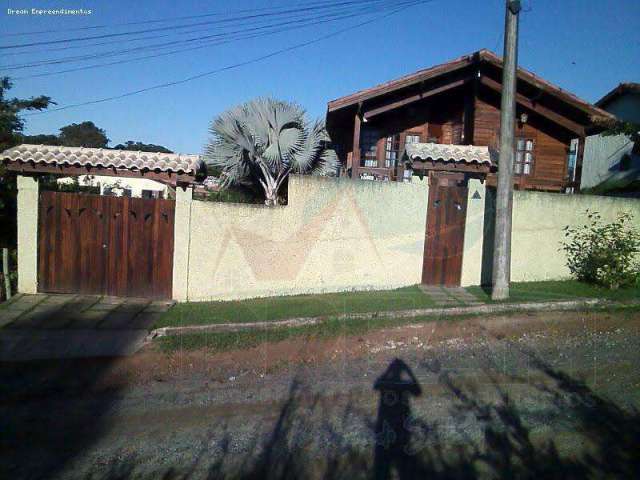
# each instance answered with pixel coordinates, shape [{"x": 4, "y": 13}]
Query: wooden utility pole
[
  {"x": 5, "y": 273},
  {"x": 504, "y": 195}
]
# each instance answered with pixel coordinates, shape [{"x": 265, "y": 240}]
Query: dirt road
[{"x": 528, "y": 395}]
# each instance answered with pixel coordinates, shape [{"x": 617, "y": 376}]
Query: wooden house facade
[{"x": 459, "y": 103}]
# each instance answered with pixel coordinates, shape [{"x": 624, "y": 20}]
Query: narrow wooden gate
[
  {"x": 444, "y": 242},
  {"x": 92, "y": 244}
]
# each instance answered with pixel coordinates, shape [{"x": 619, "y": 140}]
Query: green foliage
[
  {"x": 141, "y": 147},
  {"x": 40, "y": 139},
  {"x": 84, "y": 134},
  {"x": 11, "y": 124},
  {"x": 264, "y": 140},
  {"x": 603, "y": 253},
  {"x": 11, "y": 128},
  {"x": 233, "y": 195},
  {"x": 617, "y": 127}
]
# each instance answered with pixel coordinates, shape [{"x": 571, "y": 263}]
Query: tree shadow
[
  {"x": 484, "y": 436},
  {"x": 53, "y": 410}
]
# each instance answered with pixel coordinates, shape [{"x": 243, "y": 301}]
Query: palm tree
[{"x": 264, "y": 140}]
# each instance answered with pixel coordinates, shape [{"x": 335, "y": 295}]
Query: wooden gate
[
  {"x": 92, "y": 244},
  {"x": 444, "y": 242}
]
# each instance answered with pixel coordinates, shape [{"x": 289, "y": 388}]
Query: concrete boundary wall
[
  {"x": 339, "y": 235},
  {"x": 538, "y": 223},
  {"x": 334, "y": 235}
]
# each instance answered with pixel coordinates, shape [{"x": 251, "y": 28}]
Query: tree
[
  {"x": 11, "y": 124},
  {"x": 84, "y": 134},
  {"x": 11, "y": 127},
  {"x": 41, "y": 139},
  {"x": 264, "y": 140},
  {"x": 142, "y": 147}
]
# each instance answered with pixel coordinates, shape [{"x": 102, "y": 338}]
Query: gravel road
[{"x": 538, "y": 395}]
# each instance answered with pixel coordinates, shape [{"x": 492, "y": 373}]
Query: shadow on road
[
  {"x": 394, "y": 423},
  {"x": 51, "y": 411},
  {"x": 307, "y": 441}
]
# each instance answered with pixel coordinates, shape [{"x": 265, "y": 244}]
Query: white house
[{"x": 610, "y": 162}]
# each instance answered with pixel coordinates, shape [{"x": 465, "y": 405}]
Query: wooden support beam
[
  {"x": 537, "y": 108},
  {"x": 355, "y": 156},
  {"x": 413, "y": 98},
  {"x": 441, "y": 166},
  {"x": 32, "y": 168}
]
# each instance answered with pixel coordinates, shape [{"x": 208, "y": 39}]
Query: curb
[{"x": 423, "y": 312}]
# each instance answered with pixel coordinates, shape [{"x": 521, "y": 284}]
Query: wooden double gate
[
  {"x": 103, "y": 245},
  {"x": 444, "y": 240}
]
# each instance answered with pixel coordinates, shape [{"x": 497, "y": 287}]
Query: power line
[
  {"x": 338, "y": 15},
  {"x": 160, "y": 20},
  {"x": 233, "y": 66},
  {"x": 197, "y": 47},
  {"x": 178, "y": 27}
]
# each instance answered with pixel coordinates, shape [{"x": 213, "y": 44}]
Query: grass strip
[{"x": 331, "y": 328}]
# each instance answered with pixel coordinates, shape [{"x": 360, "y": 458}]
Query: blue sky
[{"x": 584, "y": 46}]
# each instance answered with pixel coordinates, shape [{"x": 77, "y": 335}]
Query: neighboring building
[
  {"x": 116, "y": 186},
  {"x": 459, "y": 103},
  {"x": 612, "y": 162},
  {"x": 623, "y": 101}
]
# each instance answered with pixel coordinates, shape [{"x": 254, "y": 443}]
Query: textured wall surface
[
  {"x": 182, "y": 233},
  {"x": 334, "y": 235},
  {"x": 538, "y": 222},
  {"x": 473, "y": 235},
  {"x": 27, "y": 234}
]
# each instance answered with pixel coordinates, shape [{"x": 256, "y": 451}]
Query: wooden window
[
  {"x": 391, "y": 150},
  {"x": 523, "y": 164},
  {"x": 368, "y": 147},
  {"x": 411, "y": 138}
]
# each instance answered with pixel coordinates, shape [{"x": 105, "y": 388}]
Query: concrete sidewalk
[{"x": 38, "y": 327}]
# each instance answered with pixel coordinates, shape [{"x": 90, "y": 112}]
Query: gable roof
[
  {"x": 103, "y": 157},
  {"x": 621, "y": 89},
  {"x": 475, "y": 58},
  {"x": 469, "y": 154}
]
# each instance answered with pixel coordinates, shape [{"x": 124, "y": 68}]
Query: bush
[{"x": 604, "y": 253}]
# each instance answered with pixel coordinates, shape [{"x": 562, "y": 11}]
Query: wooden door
[
  {"x": 444, "y": 239},
  {"x": 92, "y": 244}
]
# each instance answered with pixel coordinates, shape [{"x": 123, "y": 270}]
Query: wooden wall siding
[
  {"x": 91, "y": 244},
  {"x": 444, "y": 241},
  {"x": 440, "y": 119},
  {"x": 550, "y": 150}
]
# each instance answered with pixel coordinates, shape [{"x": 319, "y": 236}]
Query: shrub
[{"x": 604, "y": 253}]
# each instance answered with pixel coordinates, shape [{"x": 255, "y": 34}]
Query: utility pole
[{"x": 504, "y": 195}]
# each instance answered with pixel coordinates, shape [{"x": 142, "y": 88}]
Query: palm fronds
[{"x": 263, "y": 140}]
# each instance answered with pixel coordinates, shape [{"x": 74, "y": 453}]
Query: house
[
  {"x": 612, "y": 162},
  {"x": 623, "y": 101},
  {"x": 458, "y": 103},
  {"x": 116, "y": 186}
]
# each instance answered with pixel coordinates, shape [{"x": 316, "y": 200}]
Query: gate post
[
  {"x": 181, "y": 243},
  {"x": 474, "y": 234},
  {"x": 27, "y": 234}
]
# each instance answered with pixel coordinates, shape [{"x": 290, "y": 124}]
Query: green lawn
[
  {"x": 331, "y": 328},
  {"x": 333, "y": 304},
  {"x": 277, "y": 308},
  {"x": 221, "y": 341},
  {"x": 558, "y": 290}
]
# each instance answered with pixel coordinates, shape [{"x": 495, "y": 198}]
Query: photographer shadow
[{"x": 393, "y": 427}]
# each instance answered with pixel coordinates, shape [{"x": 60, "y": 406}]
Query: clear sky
[{"x": 584, "y": 46}]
